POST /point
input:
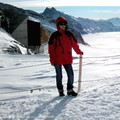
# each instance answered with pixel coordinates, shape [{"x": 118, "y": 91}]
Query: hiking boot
[
  {"x": 72, "y": 93},
  {"x": 61, "y": 93}
]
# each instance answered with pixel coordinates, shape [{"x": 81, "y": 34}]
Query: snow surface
[{"x": 99, "y": 98}]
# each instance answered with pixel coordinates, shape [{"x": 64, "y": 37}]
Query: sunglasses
[{"x": 62, "y": 23}]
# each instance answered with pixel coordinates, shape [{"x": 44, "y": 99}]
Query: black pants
[{"x": 70, "y": 75}]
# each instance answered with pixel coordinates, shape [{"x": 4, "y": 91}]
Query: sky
[{"x": 93, "y": 9}]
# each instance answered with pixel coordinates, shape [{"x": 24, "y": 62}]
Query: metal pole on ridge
[{"x": 79, "y": 74}]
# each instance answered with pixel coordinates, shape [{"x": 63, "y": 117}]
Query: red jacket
[{"x": 60, "y": 47}]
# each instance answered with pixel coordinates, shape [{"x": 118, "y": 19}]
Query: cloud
[{"x": 33, "y": 3}]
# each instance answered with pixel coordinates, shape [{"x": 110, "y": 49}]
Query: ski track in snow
[{"x": 98, "y": 100}]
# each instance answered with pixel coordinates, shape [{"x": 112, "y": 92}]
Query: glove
[
  {"x": 81, "y": 53},
  {"x": 53, "y": 64}
]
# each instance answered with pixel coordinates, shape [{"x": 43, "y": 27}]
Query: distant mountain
[
  {"x": 93, "y": 26},
  {"x": 115, "y": 21},
  {"x": 107, "y": 26},
  {"x": 83, "y": 25}
]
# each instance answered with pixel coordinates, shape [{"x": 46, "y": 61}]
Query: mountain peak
[
  {"x": 53, "y": 9},
  {"x": 49, "y": 10},
  {"x": 51, "y": 13}
]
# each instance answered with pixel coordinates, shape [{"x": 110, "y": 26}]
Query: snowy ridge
[
  {"x": 7, "y": 43},
  {"x": 99, "y": 98}
]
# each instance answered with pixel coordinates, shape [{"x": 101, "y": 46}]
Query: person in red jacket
[{"x": 60, "y": 47}]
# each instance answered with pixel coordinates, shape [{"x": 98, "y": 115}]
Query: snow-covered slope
[
  {"x": 7, "y": 43},
  {"x": 99, "y": 98}
]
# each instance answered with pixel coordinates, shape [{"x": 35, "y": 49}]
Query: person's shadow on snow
[{"x": 50, "y": 109}]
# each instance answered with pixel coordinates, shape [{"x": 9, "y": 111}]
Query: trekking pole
[{"x": 80, "y": 73}]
